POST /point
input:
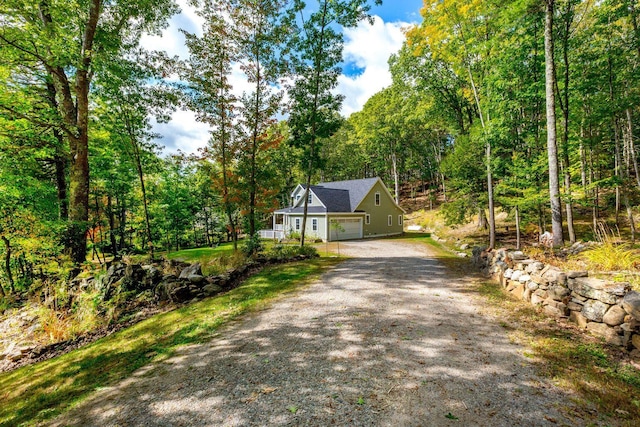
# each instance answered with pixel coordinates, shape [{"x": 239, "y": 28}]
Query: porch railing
[{"x": 272, "y": 234}]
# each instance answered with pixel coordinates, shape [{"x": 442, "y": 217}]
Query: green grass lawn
[
  {"x": 201, "y": 255},
  {"x": 35, "y": 393}
]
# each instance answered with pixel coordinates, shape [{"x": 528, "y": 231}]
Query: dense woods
[{"x": 529, "y": 107}]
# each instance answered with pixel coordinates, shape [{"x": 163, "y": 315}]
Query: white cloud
[
  {"x": 182, "y": 133},
  {"x": 368, "y": 47},
  {"x": 172, "y": 40}
]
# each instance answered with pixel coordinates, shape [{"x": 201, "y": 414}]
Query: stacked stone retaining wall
[{"x": 605, "y": 308}]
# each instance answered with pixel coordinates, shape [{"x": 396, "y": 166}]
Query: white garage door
[{"x": 349, "y": 228}]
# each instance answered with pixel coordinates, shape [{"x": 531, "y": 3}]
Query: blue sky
[
  {"x": 399, "y": 10},
  {"x": 366, "y": 51}
]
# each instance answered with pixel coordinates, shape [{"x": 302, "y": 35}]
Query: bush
[
  {"x": 252, "y": 245},
  {"x": 280, "y": 251},
  {"x": 309, "y": 251}
]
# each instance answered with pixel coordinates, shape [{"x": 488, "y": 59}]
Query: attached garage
[{"x": 349, "y": 229}]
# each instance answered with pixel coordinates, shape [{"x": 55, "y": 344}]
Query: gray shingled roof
[
  {"x": 334, "y": 200},
  {"x": 357, "y": 188},
  {"x": 338, "y": 196}
]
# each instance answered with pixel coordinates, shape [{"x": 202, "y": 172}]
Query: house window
[
  {"x": 297, "y": 224},
  {"x": 297, "y": 197},
  {"x": 310, "y": 199},
  {"x": 390, "y": 220},
  {"x": 400, "y": 220},
  {"x": 367, "y": 219},
  {"x": 314, "y": 224},
  {"x": 377, "y": 199}
]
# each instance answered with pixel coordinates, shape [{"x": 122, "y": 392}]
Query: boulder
[
  {"x": 573, "y": 306},
  {"x": 552, "y": 311},
  {"x": 193, "y": 269},
  {"x": 576, "y": 274},
  {"x": 464, "y": 246},
  {"x": 524, "y": 278},
  {"x": 114, "y": 273},
  {"x": 614, "y": 316},
  {"x": 517, "y": 256},
  {"x": 607, "y": 332},
  {"x": 537, "y": 277},
  {"x": 598, "y": 289},
  {"x": 577, "y": 318},
  {"x": 594, "y": 310},
  {"x": 558, "y": 293},
  {"x": 516, "y": 275},
  {"x": 153, "y": 275},
  {"x": 631, "y": 304},
  {"x": 518, "y": 291},
  {"x": 635, "y": 341},
  {"x": 527, "y": 294},
  {"x": 555, "y": 275},
  {"x": 211, "y": 289},
  {"x": 537, "y": 298},
  {"x": 508, "y": 273},
  {"x": 555, "y": 308},
  {"x": 532, "y": 286},
  {"x": 180, "y": 292},
  {"x": 534, "y": 267},
  {"x": 578, "y": 298},
  {"x": 196, "y": 279},
  {"x": 133, "y": 279}
]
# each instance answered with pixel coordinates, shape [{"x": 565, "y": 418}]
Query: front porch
[{"x": 278, "y": 230}]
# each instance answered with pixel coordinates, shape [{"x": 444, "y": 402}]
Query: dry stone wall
[{"x": 605, "y": 308}]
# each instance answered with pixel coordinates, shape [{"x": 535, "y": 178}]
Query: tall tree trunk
[
  {"x": 617, "y": 170},
  {"x": 492, "y": 217},
  {"x": 7, "y": 262},
  {"x": 76, "y": 117},
  {"x": 632, "y": 147},
  {"x": 552, "y": 147},
  {"x": 59, "y": 159},
  {"x": 206, "y": 226},
  {"x": 226, "y": 161},
  {"x": 137, "y": 157},
  {"x": 564, "y": 104},
  {"x": 396, "y": 179},
  {"x": 314, "y": 114},
  {"x": 518, "y": 242},
  {"x": 112, "y": 228}
]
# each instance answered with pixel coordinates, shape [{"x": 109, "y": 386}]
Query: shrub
[
  {"x": 309, "y": 251},
  {"x": 252, "y": 245}
]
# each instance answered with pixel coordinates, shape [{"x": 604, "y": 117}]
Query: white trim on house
[{"x": 299, "y": 200}]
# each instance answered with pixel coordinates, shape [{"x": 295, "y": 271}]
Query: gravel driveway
[{"x": 384, "y": 339}]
